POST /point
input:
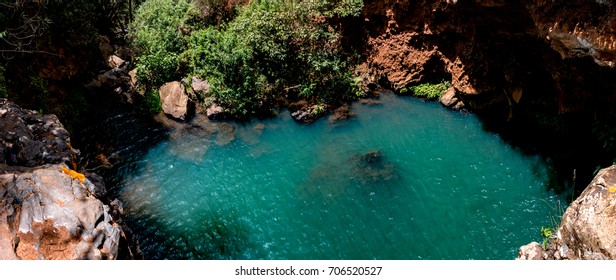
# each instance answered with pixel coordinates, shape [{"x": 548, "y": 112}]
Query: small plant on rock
[{"x": 547, "y": 233}]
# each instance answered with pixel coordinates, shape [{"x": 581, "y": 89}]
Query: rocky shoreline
[
  {"x": 587, "y": 230},
  {"x": 47, "y": 209}
]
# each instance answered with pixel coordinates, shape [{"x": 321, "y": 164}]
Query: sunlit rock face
[
  {"x": 48, "y": 214},
  {"x": 588, "y": 226}
]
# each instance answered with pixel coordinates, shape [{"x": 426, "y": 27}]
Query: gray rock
[
  {"x": 29, "y": 139},
  {"x": 588, "y": 227},
  {"x": 174, "y": 100},
  {"x": 57, "y": 217},
  {"x": 133, "y": 77}
]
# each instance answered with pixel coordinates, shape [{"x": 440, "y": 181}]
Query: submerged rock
[
  {"x": 588, "y": 226},
  {"x": 360, "y": 174},
  {"x": 372, "y": 168},
  {"x": 226, "y": 134},
  {"x": 341, "y": 114},
  {"x": 47, "y": 214},
  {"x": 369, "y": 101}
]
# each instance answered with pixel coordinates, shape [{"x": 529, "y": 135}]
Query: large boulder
[
  {"x": 174, "y": 100},
  {"x": 450, "y": 100},
  {"x": 588, "y": 226},
  {"x": 51, "y": 213},
  {"x": 29, "y": 139}
]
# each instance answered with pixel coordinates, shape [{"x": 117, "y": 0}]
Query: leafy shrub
[
  {"x": 152, "y": 104},
  {"x": 294, "y": 44},
  {"x": 224, "y": 59},
  {"x": 251, "y": 57},
  {"x": 269, "y": 47},
  {"x": 158, "y": 32},
  {"x": 427, "y": 90}
]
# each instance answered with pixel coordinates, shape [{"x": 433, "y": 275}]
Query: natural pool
[{"x": 404, "y": 179}]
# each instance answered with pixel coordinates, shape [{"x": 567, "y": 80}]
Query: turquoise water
[{"x": 405, "y": 179}]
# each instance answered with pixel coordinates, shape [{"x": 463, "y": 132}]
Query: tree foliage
[
  {"x": 158, "y": 37},
  {"x": 250, "y": 60},
  {"x": 48, "y": 49}
]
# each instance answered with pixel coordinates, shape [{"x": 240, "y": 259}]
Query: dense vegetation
[{"x": 252, "y": 56}]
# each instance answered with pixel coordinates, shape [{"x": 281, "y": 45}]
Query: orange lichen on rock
[{"x": 73, "y": 174}]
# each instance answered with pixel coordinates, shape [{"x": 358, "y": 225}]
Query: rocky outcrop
[
  {"x": 48, "y": 210},
  {"x": 532, "y": 251},
  {"x": 588, "y": 226},
  {"x": 47, "y": 214},
  {"x": 30, "y": 139},
  {"x": 541, "y": 68},
  {"x": 489, "y": 49},
  {"x": 175, "y": 101},
  {"x": 579, "y": 29}
]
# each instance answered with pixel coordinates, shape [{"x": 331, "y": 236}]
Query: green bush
[
  {"x": 152, "y": 104},
  {"x": 294, "y": 44},
  {"x": 249, "y": 60},
  {"x": 427, "y": 90},
  {"x": 224, "y": 59},
  {"x": 158, "y": 31}
]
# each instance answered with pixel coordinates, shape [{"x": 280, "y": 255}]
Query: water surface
[{"x": 405, "y": 179}]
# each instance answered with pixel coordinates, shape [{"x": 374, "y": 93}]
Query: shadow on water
[
  {"x": 115, "y": 146},
  {"x": 205, "y": 236},
  {"x": 565, "y": 144}
]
